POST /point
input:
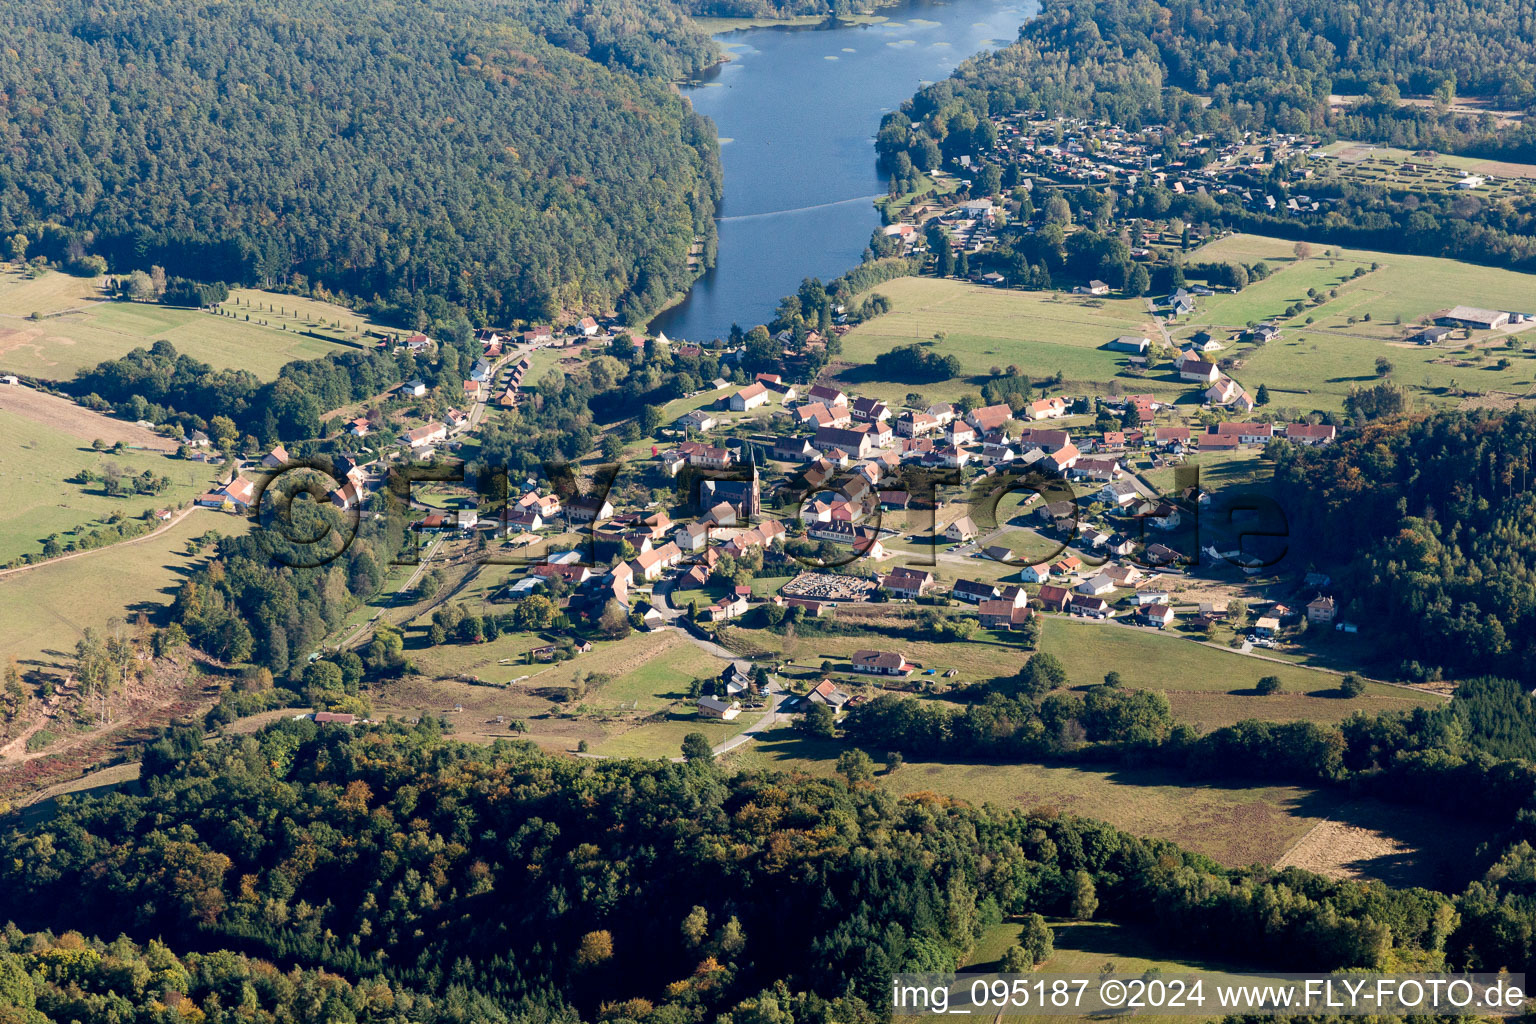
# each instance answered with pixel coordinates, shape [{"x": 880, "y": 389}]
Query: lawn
[
  {"x": 1314, "y": 366},
  {"x": 79, "y": 330},
  {"x": 35, "y": 462},
  {"x": 1041, "y": 332},
  {"x": 665, "y": 738},
  {"x": 43, "y": 611}
]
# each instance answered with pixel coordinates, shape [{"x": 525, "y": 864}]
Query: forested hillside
[
  {"x": 421, "y": 152},
  {"x": 1426, "y": 527},
  {"x": 517, "y": 885},
  {"x": 1260, "y": 64}
]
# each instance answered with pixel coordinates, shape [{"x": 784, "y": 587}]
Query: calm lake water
[{"x": 797, "y": 110}]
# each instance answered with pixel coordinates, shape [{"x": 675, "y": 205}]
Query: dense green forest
[
  {"x": 1426, "y": 527},
  {"x": 1260, "y": 64},
  {"x": 522, "y": 886},
  {"x": 420, "y": 153}
]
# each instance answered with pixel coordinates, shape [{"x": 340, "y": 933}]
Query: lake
[{"x": 797, "y": 109}]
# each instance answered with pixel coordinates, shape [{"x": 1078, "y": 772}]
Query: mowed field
[
  {"x": 635, "y": 701},
  {"x": 44, "y": 440},
  {"x": 80, "y": 328},
  {"x": 1154, "y": 660},
  {"x": 44, "y": 610},
  {"x": 1314, "y": 366},
  {"x": 1041, "y": 332},
  {"x": 1208, "y": 687},
  {"x": 1235, "y": 824}
]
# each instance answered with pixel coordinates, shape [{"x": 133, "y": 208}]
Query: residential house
[
  {"x": 961, "y": 530},
  {"x": 1246, "y": 433},
  {"x": 1096, "y": 586},
  {"x": 428, "y": 434},
  {"x": 917, "y": 424},
  {"x": 588, "y": 508},
  {"x": 1193, "y": 368},
  {"x": 1158, "y": 615},
  {"x": 881, "y": 663},
  {"x": 711, "y": 707},
  {"x": 1311, "y": 433},
  {"x": 973, "y": 591},
  {"x": 1118, "y": 493},
  {"x": 1047, "y": 409},
  {"x": 908, "y": 583},
  {"x": 728, "y": 607},
  {"x": 794, "y": 449},
  {"x": 857, "y": 443},
  {"x": 870, "y": 410},
  {"x": 826, "y": 692},
  {"x": 1091, "y": 607},
  {"x": 1035, "y": 573},
  {"x": 830, "y": 396},
  {"x": 989, "y": 417},
  {"x": 1097, "y": 470},
  {"x": 1055, "y": 598},
  {"x": 1322, "y": 610},
  {"x": 1062, "y": 460},
  {"x": 1223, "y": 392},
  {"x": 698, "y": 419},
  {"x": 1002, "y": 614},
  {"x": 1169, "y": 437},
  {"x": 278, "y": 456}
]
